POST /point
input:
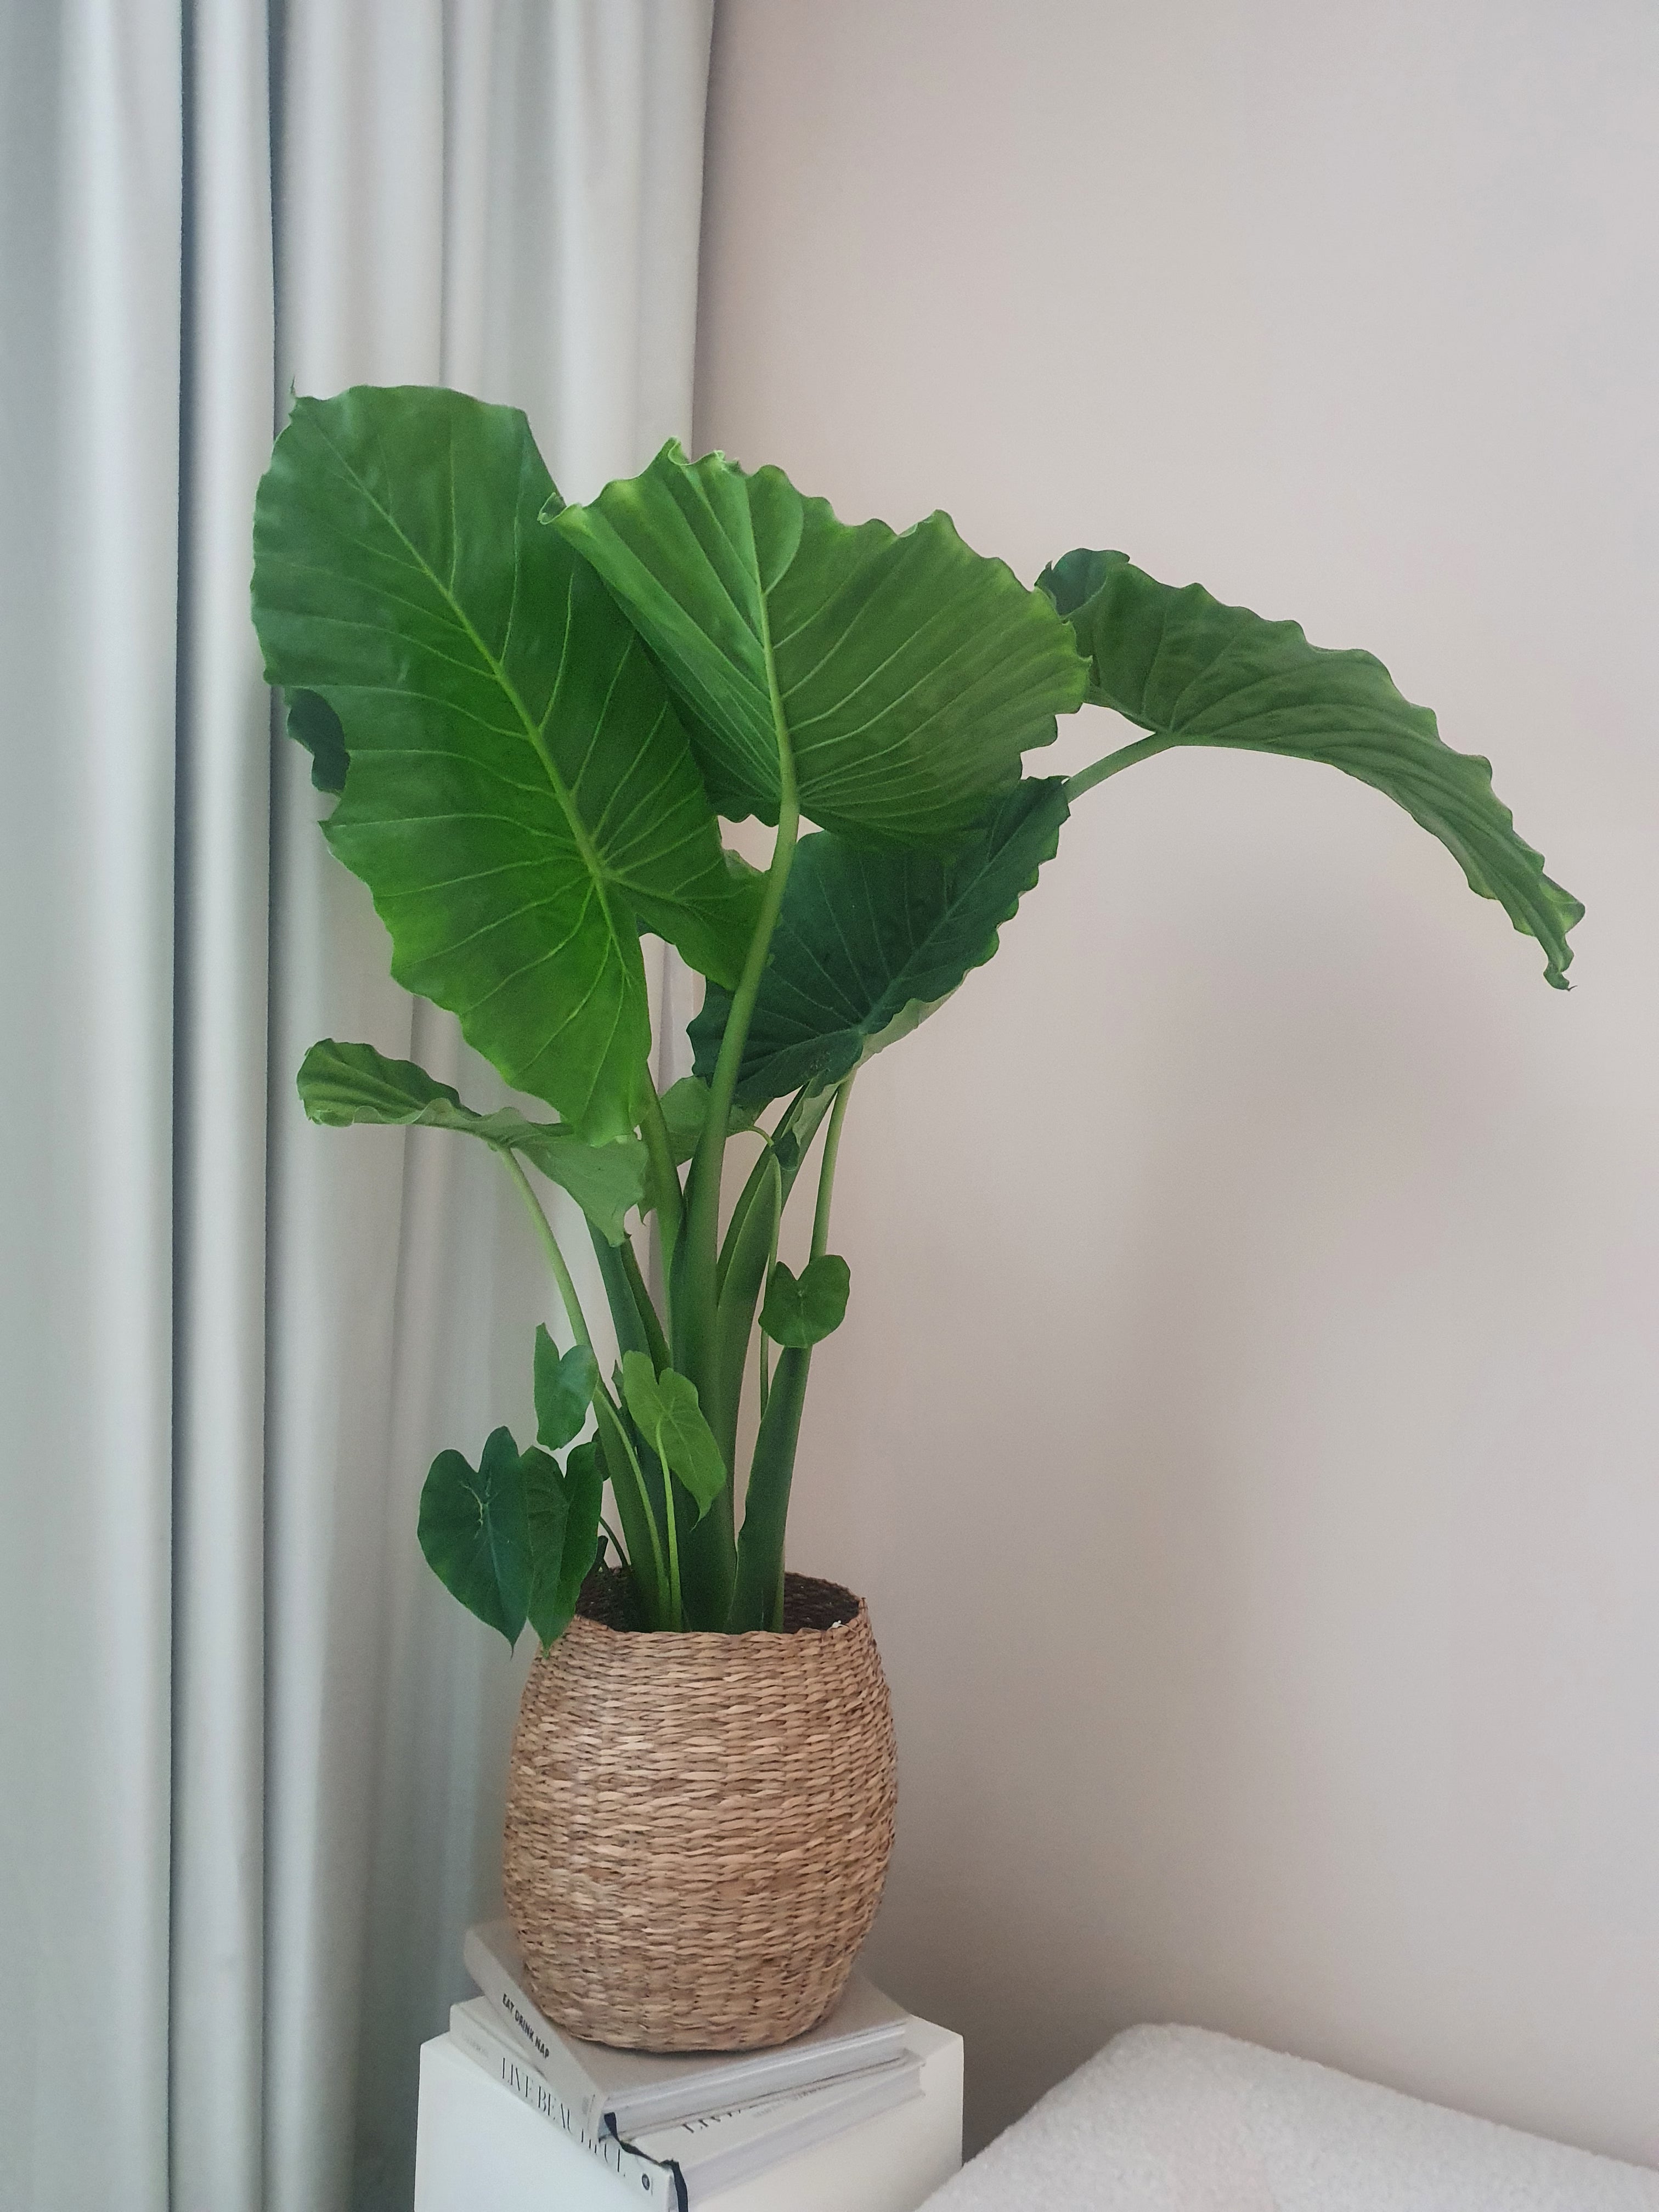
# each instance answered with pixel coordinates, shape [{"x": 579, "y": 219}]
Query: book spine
[
  {"x": 660, "y": 2104},
  {"x": 657, "y": 2182},
  {"x": 521, "y": 2023}
]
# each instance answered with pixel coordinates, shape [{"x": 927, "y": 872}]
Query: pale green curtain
[{"x": 253, "y": 1765}]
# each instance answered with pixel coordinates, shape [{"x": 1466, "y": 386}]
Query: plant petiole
[
  {"x": 673, "y": 1541},
  {"x": 549, "y": 1245},
  {"x": 1109, "y": 763},
  {"x": 611, "y": 1419},
  {"x": 671, "y": 1207}
]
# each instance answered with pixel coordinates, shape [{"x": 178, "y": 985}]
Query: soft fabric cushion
[{"x": 1175, "y": 2119}]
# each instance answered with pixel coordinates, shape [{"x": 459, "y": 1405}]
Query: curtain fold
[
  {"x": 237, "y": 1340},
  {"x": 89, "y": 159},
  {"x": 226, "y": 396}
]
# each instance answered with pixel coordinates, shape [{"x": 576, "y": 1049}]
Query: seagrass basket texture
[{"x": 698, "y": 1826}]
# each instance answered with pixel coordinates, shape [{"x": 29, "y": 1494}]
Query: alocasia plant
[{"x": 534, "y": 716}]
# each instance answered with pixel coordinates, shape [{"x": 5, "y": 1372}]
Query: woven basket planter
[{"x": 698, "y": 1826}]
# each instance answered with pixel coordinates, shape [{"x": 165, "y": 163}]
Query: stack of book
[{"x": 678, "y": 2130}]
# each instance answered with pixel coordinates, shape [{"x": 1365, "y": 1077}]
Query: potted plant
[{"x": 535, "y": 717}]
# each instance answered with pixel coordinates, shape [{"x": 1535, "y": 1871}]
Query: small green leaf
[
  {"x": 563, "y": 1517},
  {"x": 341, "y": 1084},
  {"x": 801, "y": 1313},
  {"x": 1178, "y": 663},
  {"x": 564, "y": 1390},
  {"x": 475, "y": 1533},
  {"x": 668, "y": 1414}
]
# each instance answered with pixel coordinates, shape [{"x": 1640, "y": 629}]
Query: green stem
[
  {"x": 670, "y": 1206},
  {"x": 757, "y": 1600},
  {"x": 610, "y": 1422},
  {"x": 827, "y": 1168},
  {"x": 656, "y": 1342},
  {"x": 674, "y": 1603},
  {"x": 616, "y": 1543},
  {"x": 1109, "y": 763},
  {"x": 702, "y": 1221},
  {"x": 550, "y": 1246}
]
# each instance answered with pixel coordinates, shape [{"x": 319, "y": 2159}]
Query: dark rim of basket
[{"x": 607, "y": 1600}]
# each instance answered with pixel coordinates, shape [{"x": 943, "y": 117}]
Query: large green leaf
[
  {"x": 1178, "y": 663},
  {"x": 475, "y": 1534},
  {"x": 341, "y": 1084},
  {"x": 521, "y": 798},
  {"x": 904, "y": 674},
  {"x": 868, "y": 944}
]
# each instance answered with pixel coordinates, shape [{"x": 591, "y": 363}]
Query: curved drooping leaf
[
  {"x": 565, "y": 1383},
  {"x": 343, "y": 1084},
  {"x": 1178, "y": 663},
  {"x": 868, "y": 944},
  {"x": 475, "y": 1534},
  {"x": 905, "y": 674},
  {"x": 522, "y": 798},
  {"x": 802, "y": 1310},
  {"x": 665, "y": 1408}
]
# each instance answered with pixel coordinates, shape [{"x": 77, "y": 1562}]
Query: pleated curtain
[{"x": 253, "y": 1756}]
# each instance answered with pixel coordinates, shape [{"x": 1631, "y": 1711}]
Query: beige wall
[{"x": 1245, "y": 1426}]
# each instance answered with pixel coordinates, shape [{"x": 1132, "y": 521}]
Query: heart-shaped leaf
[
  {"x": 666, "y": 1410},
  {"x": 562, "y": 1514},
  {"x": 801, "y": 1313},
  {"x": 343, "y": 1084},
  {"x": 565, "y": 1383},
  {"x": 869, "y": 944},
  {"x": 475, "y": 1534},
  {"x": 902, "y": 675},
  {"x": 522, "y": 798},
  {"x": 1194, "y": 672}
]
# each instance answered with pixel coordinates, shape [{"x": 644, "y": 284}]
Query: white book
[
  {"x": 720, "y": 2151},
  {"x": 625, "y": 2092},
  {"x": 473, "y": 2026},
  {"x": 700, "y": 2156}
]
